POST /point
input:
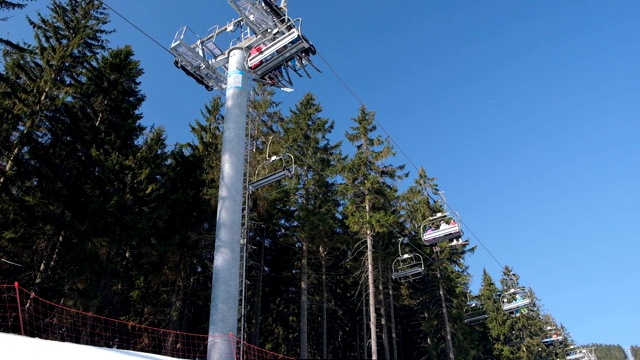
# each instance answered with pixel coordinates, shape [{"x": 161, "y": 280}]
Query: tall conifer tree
[
  {"x": 67, "y": 44},
  {"x": 40, "y": 135},
  {"x": 368, "y": 186},
  {"x": 440, "y": 296},
  {"x": 315, "y": 201}
]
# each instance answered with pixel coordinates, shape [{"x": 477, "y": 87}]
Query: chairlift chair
[
  {"x": 407, "y": 267},
  {"x": 577, "y": 353},
  {"x": 515, "y": 300},
  {"x": 515, "y": 338},
  {"x": 265, "y": 177},
  {"x": 475, "y": 313},
  {"x": 274, "y": 40},
  {"x": 441, "y": 227},
  {"x": 281, "y": 45},
  {"x": 546, "y": 354},
  {"x": 553, "y": 336},
  {"x": 271, "y": 60}
]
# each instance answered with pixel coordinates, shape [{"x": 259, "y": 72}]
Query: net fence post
[{"x": 17, "y": 287}]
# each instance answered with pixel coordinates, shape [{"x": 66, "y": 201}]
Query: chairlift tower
[{"x": 270, "y": 47}]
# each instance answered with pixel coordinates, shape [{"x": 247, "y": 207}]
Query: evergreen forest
[
  {"x": 609, "y": 352},
  {"x": 100, "y": 214}
]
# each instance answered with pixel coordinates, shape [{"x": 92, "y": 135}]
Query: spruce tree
[
  {"x": 443, "y": 291},
  {"x": 103, "y": 128},
  {"x": 368, "y": 186},
  {"x": 42, "y": 130},
  {"x": 608, "y": 352},
  {"x": 514, "y": 334},
  {"x": 195, "y": 173},
  {"x": 489, "y": 296},
  {"x": 315, "y": 204},
  {"x": 67, "y": 44}
]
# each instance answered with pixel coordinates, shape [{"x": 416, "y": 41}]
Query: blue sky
[{"x": 525, "y": 111}]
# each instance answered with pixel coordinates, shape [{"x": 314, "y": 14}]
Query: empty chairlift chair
[
  {"x": 274, "y": 169},
  {"x": 515, "y": 338},
  {"x": 408, "y": 266},
  {"x": 266, "y": 174},
  {"x": 474, "y": 312}
]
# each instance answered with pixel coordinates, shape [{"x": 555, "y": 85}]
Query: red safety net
[{"x": 22, "y": 312}]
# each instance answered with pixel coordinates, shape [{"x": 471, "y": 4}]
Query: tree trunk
[
  {"x": 44, "y": 267},
  {"x": 372, "y": 289},
  {"x": 304, "y": 301},
  {"x": 174, "y": 312},
  {"x": 323, "y": 260},
  {"x": 394, "y": 336},
  {"x": 19, "y": 142},
  {"x": 383, "y": 312},
  {"x": 365, "y": 349}
]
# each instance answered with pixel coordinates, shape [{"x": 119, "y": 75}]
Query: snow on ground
[{"x": 22, "y": 347}]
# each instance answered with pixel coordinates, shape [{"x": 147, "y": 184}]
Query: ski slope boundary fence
[{"x": 24, "y": 313}]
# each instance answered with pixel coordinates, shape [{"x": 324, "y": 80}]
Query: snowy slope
[{"x": 22, "y": 347}]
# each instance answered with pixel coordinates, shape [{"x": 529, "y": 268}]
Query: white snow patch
[{"x": 22, "y": 347}]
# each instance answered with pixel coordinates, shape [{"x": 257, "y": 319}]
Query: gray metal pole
[{"x": 223, "y": 319}]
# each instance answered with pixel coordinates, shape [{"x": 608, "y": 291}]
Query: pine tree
[
  {"x": 608, "y": 352},
  {"x": 443, "y": 291},
  {"x": 67, "y": 45},
  {"x": 514, "y": 334},
  {"x": 42, "y": 130},
  {"x": 103, "y": 128},
  {"x": 369, "y": 184},
  {"x": 488, "y": 296},
  {"x": 195, "y": 173},
  {"x": 315, "y": 202}
]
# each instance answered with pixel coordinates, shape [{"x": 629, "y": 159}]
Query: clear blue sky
[{"x": 525, "y": 111}]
